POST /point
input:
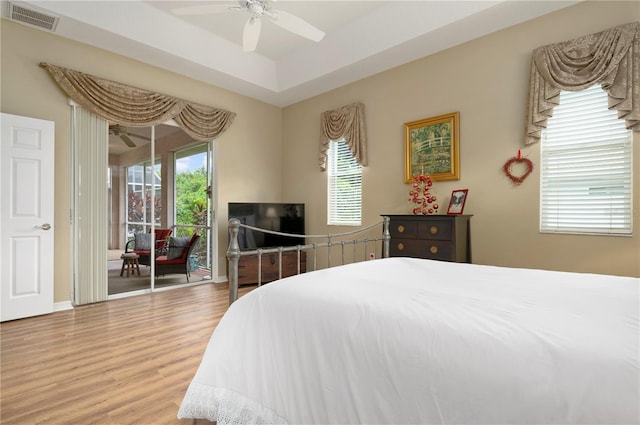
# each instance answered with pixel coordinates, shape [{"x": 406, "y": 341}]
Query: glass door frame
[{"x": 210, "y": 226}]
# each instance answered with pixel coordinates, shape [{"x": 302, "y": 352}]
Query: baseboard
[
  {"x": 221, "y": 279},
  {"x": 61, "y": 306}
]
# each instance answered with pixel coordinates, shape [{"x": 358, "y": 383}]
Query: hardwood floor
[{"x": 126, "y": 361}]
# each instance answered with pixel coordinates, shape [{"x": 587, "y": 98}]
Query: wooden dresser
[
  {"x": 248, "y": 267},
  {"x": 435, "y": 237}
]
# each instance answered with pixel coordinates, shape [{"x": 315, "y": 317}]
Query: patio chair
[
  {"x": 176, "y": 259},
  {"x": 141, "y": 244}
]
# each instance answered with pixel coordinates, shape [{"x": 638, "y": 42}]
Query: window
[
  {"x": 344, "y": 186},
  {"x": 586, "y": 168},
  {"x": 141, "y": 181}
]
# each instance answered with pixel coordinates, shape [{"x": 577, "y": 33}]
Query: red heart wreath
[{"x": 507, "y": 168}]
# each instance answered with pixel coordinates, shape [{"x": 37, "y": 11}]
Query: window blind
[
  {"x": 344, "y": 174},
  {"x": 90, "y": 154},
  {"x": 586, "y": 168}
]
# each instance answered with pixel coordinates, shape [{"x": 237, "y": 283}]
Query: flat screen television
[{"x": 286, "y": 218}]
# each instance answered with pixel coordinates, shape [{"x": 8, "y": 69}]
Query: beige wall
[
  {"x": 270, "y": 154},
  {"x": 253, "y": 143},
  {"x": 485, "y": 80}
]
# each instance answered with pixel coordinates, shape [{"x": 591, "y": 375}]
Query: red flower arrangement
[{"x": 420, "y": 196}]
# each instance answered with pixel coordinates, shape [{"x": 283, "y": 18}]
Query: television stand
[{"x": 248, "y": 267}]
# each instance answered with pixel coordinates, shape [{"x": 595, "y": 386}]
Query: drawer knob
[
  {"x": 400, "y": 246},
  {"x": 434, "y": 249},
  {"x": 401, "y": 229},
  {"x": 433, "y": 230}
]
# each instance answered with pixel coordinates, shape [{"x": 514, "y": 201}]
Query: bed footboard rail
[{"x": 328, "y": 241}]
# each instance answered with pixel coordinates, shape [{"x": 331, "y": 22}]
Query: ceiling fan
[
  {"x": 257, "y": 10},
  {"x": 123, "y": 133}
]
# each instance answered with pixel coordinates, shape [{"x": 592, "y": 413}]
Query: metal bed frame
[{"x": 329, "y": 240}]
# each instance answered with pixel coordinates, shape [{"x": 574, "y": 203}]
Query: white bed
[{"x": 402, "y": 340}]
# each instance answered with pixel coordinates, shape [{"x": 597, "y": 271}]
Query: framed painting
[{"x": 431, "y": 146}]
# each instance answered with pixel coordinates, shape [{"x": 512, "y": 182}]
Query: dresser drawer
[
  {"x": 417, "y": 248},
  {"x": 403, "y": 229},
  {"x": 441, "y": 230}
]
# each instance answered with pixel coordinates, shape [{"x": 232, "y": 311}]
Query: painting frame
[
  {"x": 440, "y": 162},
  {"x": 457, "y": 201}
]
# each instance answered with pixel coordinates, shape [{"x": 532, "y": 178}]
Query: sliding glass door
[
  {"x": 135, "y": 182},
  {"x": 161, "y": 188},
  {"x": 193, "y": 204}
]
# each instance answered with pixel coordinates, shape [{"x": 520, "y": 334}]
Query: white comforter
[{"x": 405, "y": 340}]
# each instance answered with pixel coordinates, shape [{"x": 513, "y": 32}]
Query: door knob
[{"x": 45, "y": 226}]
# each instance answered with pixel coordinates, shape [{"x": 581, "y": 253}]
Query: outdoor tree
[{"x": 191, "y": 197}]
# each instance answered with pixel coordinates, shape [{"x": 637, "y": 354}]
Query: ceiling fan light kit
[{"x": 257, "y": 9}]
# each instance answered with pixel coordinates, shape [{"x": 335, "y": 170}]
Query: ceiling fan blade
[
  {"x": 139, "y": 136},
  {"x": 296, "y": 25},
  {"x": 204, "y": 9},
  {"x": 127, "y": 141},
  {"x": 251, "y": 34}
]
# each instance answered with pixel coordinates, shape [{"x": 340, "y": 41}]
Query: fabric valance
[
  {"x": 346, "y": 122},
  {"x": 131, "y": 106},
  {"x": 610, "y": 58}
]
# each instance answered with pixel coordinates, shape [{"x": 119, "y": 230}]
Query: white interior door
[{"x": 26, "y": 217}]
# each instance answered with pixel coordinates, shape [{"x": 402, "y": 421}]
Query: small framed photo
[{"x": 458, "y": 198}]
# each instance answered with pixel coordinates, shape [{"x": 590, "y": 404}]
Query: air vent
[{"x": 31, "y": 16}]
